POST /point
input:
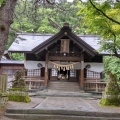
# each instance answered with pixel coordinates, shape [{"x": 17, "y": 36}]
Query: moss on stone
[
  {"x": 19, "y": 91},
  {"x": 19, "y": 95},
  {"x": 111, "y": 95},
  {"x": 19, "y": 98},
  {"x": 110, "y": 101}
]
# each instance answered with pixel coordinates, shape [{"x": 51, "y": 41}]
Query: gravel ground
[{"x": 35, "y": 102}]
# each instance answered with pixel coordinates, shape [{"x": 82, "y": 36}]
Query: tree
[
  {"x": 6, "y": 19},
  {"x": 30, "y": 16},
  {"x": 100, "y": 20},
  {"x": 103, "y": 18},
  {"x": 33, "y": 16}
]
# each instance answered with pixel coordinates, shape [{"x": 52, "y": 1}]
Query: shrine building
[{"x": 64, "y": 56}]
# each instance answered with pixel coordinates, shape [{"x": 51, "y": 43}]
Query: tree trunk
[{"x": 6, "y": 19}]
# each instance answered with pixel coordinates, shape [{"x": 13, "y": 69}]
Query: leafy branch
[{"x": 117, "y": 22}]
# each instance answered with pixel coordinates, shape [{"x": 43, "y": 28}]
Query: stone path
[{"x": 65, "y": 103}]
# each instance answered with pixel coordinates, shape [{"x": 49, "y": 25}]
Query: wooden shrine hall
[{"x": 63, "y": 56}]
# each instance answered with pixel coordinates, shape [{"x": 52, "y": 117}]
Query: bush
[
  {"x": 114, "y": 101},
  {"x": 19, "y": 98},
  {"x": 19, "y": 95}
]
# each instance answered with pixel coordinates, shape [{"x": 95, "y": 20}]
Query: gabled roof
[
  {"x": 65, "y": 32},
  {"x": 34, "y": 42}
]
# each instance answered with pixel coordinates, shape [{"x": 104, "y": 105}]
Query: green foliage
[
  {"x": 99, "y": 24},
  {"x": 31, "y": 17},
  {"x": 11, "y": 37},
  {"x": 17, "y": 56},
  {"x": 111, "y": 96},
  {"x": 2, "y": 2},
  {"x": 112, "y": 64},
  {"x": 3, "y": 99},
  {"x": 19, "y": 89},
  {"x": 114, "y": 101},
  {"x": 35, "y": 16},
  {"x": 19, "y": 97}
]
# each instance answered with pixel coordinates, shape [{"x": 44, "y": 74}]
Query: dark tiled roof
[
  {"x": 11, "y": 62},
  {"x": 25, "y": 42}
]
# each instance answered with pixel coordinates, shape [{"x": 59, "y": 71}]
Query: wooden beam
[
  {"x": 64, "y": 58},
  {"x": 81, "y": 80},
  {"x": 46, "y": 70}
]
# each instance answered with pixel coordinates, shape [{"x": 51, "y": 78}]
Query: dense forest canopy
[{"x": 35, "y": 17}]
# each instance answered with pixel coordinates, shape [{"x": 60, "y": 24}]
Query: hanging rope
[{"x": 64, "y": 67}]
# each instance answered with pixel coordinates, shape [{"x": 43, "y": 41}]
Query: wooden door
[{"x": 42, "y": 72}]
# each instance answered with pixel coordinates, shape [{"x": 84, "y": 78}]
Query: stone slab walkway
[{"x": 66, "y": 103}]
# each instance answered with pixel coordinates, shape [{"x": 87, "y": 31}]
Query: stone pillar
[
  {"x": 46, "y": 70},
  {"x": 82, "y": 72}
]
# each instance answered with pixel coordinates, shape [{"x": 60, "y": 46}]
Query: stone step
[
  {"x": 66, "y": 90},
  {"x": 56, "y": 117},
  {"x": 60, "y": 93},
  {"x": 64, "y": 86},
  {"x": 72, "y": 83},
  {"x": 40, "y": 114}
]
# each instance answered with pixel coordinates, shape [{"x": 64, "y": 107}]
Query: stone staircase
[
  {"x": 64, "y": 86},
  {"x": 40, "y": 114},
  {"x": 63, "y": 89}
]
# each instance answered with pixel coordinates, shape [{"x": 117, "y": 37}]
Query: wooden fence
[
  {"x": 34, "y": 82},
  {"x": 93, "y": 82},
  {"x": 3, "y": 83}
]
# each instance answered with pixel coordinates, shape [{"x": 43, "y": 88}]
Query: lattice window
[
  {"x": 54, "y": 72},
  {"x": 72, "y": 73},
  {"x": 89, "y": 74},
  {"x": 33, "y": 72},
  {"x": 37, "y": 72},
  {"x": 93, "y": 74}
]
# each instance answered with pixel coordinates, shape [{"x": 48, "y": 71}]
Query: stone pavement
[
  {"x": 65, "y": 103},
  {"x": 62, "y": 103}
]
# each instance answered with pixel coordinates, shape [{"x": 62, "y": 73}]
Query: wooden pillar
[
  {"x": 46, "y": 70},
  {"x": 81, "y": 79}
]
